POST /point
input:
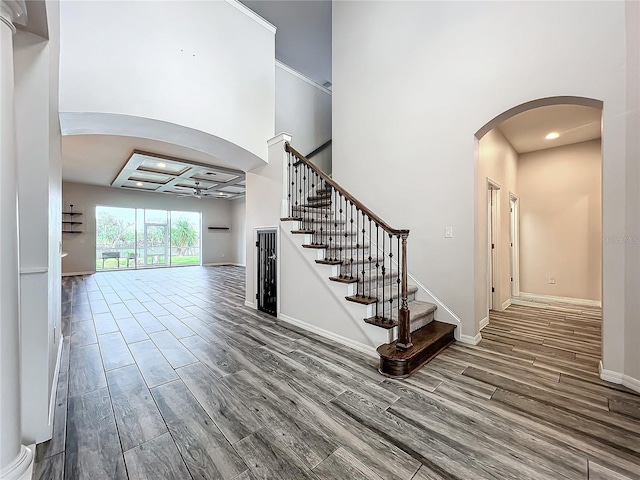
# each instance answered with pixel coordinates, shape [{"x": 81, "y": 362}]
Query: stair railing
[{"x": 354, "y": 238}]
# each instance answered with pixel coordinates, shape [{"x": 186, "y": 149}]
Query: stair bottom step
[{"x": 427, "y": 341}]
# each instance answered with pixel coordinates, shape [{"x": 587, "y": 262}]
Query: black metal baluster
[
  {"x": 383, "y": 271},
  {"x": 321, "y": 236},
  {"x": 335, "y": 227},
  {"x": 351, "y": 250},
  {"x": 304, "y": 196},
  {"x": 343, "y": 241},
  {"x": 339, "y": 236},
  {"x": 370, "y": 258},
  {"x": 357, "y": 256},
  {"x": 290, "y": 180},
  {"x": 390, "y": 277},
  {"x": 377, "y": 266},
  {"x": 296, "y": 189},
  {"x": 399, "y": 273},
  {"x": 364, "y": 261}
]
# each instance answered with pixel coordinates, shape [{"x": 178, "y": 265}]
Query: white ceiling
[
  {"x": 303, "y": 36},
  {"x": 97, "y": 159},
  {"x": 526, "y": 131}
]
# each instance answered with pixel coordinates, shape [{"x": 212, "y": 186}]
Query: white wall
[
  {"x": 217, "y": 245},
  {"x": 238, "y": 231},
  {"x": 203, "y": 65},
  {"x": 303, "y": 110},
  {"x": 408, "y": 101},
  {"x": 632, "y": 234},
  {"x": 39, "y": 206},
  {"x": 560, "y": 221},
  {"x": 497, "y": 161}
]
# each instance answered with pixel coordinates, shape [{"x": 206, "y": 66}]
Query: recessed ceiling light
[
  {"x": 552, "y": 136},
  {"x": 220, "y": 194},
  {"x": 138, "y": 184},
  {"x": 161, "y": 165}
]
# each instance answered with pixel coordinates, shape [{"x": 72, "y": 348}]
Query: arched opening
[{"x": 538, "y": 228}]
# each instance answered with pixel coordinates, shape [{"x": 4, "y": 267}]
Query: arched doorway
[{"x": 538, "y": 220}]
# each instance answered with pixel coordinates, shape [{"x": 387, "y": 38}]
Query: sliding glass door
[
  {"x": 185, "y": 238},
  {"x": 128, "y": 238}
]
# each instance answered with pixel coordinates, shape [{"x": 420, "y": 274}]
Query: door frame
[
  {"x": 256, "y": 267},
  {"x": 493, "y": 237},
  {"x": 514, "y": 233}
]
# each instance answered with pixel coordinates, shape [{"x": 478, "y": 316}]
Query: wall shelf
[
  {"x": 71, "y": 222},
  {"x": 219, "y": 228}
]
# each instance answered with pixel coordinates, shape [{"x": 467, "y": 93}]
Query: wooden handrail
[
  {"x": 319, "y": 149},
  {"x": 344, "y": 193}
]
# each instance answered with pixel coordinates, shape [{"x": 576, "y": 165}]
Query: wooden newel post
[{"x": 404, "y": 319}]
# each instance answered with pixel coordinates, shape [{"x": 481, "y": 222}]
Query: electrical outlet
[{"x": 552, "y": 280}]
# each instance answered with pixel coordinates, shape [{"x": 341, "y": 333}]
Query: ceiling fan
[{"x": 198, "y": 192}]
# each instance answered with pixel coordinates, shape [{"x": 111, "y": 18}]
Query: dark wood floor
[{"x": 166, "y": 375}]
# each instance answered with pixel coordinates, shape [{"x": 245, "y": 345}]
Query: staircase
[{"x": 370, "y": 258}]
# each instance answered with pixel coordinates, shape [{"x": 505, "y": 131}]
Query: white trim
[
  {"x": 484, "y": 322},
  {"x": 31, "y": 271},
  {"x": 54, "y": 384},
  {"x": 21, "y": 468},
  {"x": 360, "y": 347},
  {"x": 281, "y": 137},
  {"x": 302, "y": 77},
  {"x": 249, "y": 304},
  {"x": 73, "y": 274},
  {"x": 552, "y": 298},
  {"x": 440, "y": 303},
  {"x": 505, "y": 304},
  {"x": 252, "y": 15},
  {"x": 469, "y": 340},
  {"x": 619, "y": 378},
  {"x": 219, "y": 264}
]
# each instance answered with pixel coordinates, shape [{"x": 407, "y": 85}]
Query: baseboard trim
[
  {"x": 619, "y": 378},
  {"x": 73, "y": 274},
  {"x": 249, "y": 304},
  {"x": 484, "y": 322},
  {"x": 22, "y": 466},
  {"x": 54, "y": 386},
  {"x": 469, "y": 340},
  {"x": 223, "y": 264},
  {"x": 360, "y": 347},
  {"x": 573, "y": 301},
  {"x": 506, "y": 304}
]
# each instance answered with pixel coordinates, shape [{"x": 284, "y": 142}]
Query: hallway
[{"x": 166, "y": 374}]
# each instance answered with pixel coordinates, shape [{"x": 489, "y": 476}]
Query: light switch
[{"x": 448, "y": 232}]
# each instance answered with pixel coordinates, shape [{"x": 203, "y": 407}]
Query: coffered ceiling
[{"x": 150, "y": 172}]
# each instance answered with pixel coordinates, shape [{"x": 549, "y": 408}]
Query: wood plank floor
[{"x": 167, "y": 375}]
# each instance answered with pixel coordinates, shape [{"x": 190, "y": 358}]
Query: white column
[
  {"x": 16, "y": 460},
  {"x": 278, "y": 156}
]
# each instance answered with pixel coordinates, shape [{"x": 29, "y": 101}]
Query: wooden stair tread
[
  {"x": 291, "y": 219},
  {"x": 344, "y": 279},
  {"x": 329, "y": 262},
  {"x": 427, "y": 341},
  {"x": 417, "y": 308},
  {"x": 315, "y": 246}
]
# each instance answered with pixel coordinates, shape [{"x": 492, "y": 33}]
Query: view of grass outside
[{"x": 128, "y": 238}]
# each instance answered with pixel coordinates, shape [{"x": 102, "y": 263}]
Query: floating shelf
[
  {"x": 219, "y": 228},
  {"x": 71, "y": 222}
]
